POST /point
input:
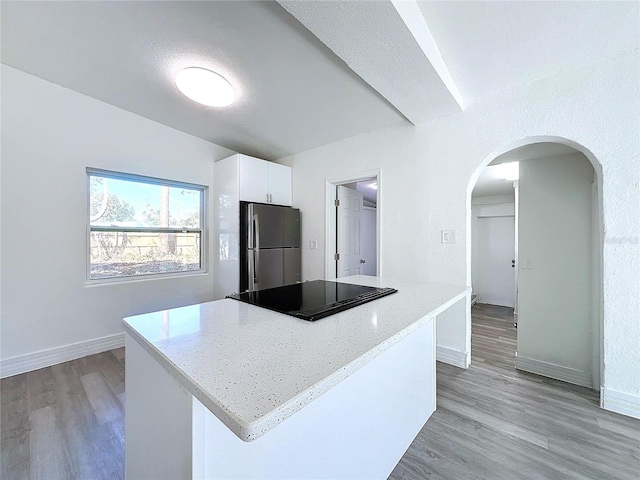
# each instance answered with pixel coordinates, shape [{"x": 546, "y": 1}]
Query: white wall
[
  {"x": 428, "y": 172},
  {"x": 49, "y": 136},
  {"x": 555, "y": 289}
]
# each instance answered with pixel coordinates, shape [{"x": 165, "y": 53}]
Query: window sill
[{"x": 113, "y": 281}]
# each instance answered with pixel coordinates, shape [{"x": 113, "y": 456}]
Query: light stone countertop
[{"x": 253, "y": 368}]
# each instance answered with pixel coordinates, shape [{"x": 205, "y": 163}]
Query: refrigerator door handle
[
  {"x": 256, "y": 267},
  {"x": 256, "y": 231},
  {"x": 250, "y": 235},
  {"x": 251, "y": 271},
  {"x": 256, "y": 250}
]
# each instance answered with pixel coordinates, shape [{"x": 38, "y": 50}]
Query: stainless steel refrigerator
[{"x": 269, "y": 246}]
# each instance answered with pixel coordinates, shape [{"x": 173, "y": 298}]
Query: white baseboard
[
  {"x": 619, "y": 402},
  {"x": 46, "y": 358},
  {"x": 566, "y": 374},
  {"x": 452, "y": 357}
]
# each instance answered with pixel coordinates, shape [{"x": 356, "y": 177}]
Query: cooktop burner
[{"x": 313, "y": 300}]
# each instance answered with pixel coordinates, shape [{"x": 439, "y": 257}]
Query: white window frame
[{"x": 151, "y": 181}]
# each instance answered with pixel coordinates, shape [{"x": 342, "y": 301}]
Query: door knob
[{"x": 362, "y": 260}]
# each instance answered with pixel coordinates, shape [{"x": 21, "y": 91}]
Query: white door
[
  {"x": 496, "y": 253},
  {"x": 280, "y": 184},
  {"x": 348, "y": 235},
  {"x": 368, "y": 241}
]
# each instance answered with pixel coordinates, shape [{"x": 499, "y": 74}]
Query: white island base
[{"x": 360, "y": 428}]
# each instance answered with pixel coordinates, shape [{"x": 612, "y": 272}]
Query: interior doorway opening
[
  {"x": 536, "y": 247},
  {"x": 352, "y": 232}
]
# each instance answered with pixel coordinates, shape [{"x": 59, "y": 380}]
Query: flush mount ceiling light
[{"x": 205, "y": 87}]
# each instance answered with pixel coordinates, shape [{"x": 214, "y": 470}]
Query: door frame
[
  {"x": 330, "y": 219},
  {"x": 516, "y": 195}
]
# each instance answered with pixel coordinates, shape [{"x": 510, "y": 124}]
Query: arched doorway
[{"x": 558, "y": 218}]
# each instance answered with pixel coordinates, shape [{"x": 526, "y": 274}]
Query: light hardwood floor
[
  {"x": 65, "y": 421},
  {"x": 492, "y": 422}
]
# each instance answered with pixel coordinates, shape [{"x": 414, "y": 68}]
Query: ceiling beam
[
  {"x": 389, "y": 45},
  {"x": 415, "y": 22}
]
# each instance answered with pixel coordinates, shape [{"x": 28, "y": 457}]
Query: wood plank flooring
[
  {"x": 492, "y": 422},
  {"x": 65, "y": 421}
]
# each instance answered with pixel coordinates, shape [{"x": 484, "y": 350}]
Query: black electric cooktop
[{"x": 313, "y": 300}]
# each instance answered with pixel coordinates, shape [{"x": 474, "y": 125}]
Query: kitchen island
[{"x": 230, "y": 390}]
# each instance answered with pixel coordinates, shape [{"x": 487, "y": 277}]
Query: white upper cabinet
[
  {"x": 280, "y": 184},
  {"x": 253, "y": 176},
  {"x": 261, "y": 181}
]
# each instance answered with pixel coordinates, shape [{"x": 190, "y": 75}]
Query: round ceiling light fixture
[{"x": 205, "y": 87}]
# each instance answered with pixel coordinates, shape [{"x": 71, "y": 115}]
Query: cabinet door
[
  {"x": 280, "y": 184},
  {"x": 254, "y": 179}
]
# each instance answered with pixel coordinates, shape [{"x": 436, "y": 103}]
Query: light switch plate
[
  {"x": 313, "y": 244},
  {"x": 448, "y": 236}
]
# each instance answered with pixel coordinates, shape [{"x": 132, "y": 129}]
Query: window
[{"x": 143, "y": 226}]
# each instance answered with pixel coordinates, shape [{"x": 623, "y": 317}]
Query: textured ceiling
[
  {"x": 294, "y": 94},
  {"x": 366, "y": 65},
  {"x": 488, "y": 46}
]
